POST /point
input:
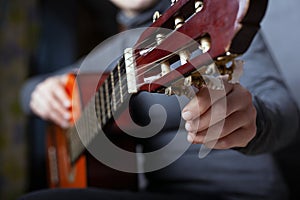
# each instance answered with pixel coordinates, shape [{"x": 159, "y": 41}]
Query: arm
[{"x": 277, "y": 113}]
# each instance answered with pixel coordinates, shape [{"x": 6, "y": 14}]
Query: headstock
[{"x": 221, "y": 29}]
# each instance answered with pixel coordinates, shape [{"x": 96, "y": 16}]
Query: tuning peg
[
  {"x": 205, "y": 44},
  {"x": 198, "y": 6},
  {"x": 214, "y": 83},
  {"x": 168, "y": 91},
  {"x": 238, "y": 69},
  {"x": 156, "y": 15},
  {"x": 179, "y": 20}
]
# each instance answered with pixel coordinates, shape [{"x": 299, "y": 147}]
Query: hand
[
  {"x": 221, "y": 119},
  {"x": 50, "y": 101}
]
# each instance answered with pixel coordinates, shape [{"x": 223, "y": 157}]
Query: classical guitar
[{"x": 222, "y": 29}]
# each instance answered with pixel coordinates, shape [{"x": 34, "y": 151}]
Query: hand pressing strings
[{"x": 50, "y": 101}]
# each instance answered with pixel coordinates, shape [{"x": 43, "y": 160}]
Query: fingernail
[
  {"x": 67, "y": 104},
  {"x": 188, "y": 126},
  {"x": 65, "y": 124},
  {"x": 190, "y": 138},
  {"x": 187, "y": 115},
  {"x": 67, "y": 115}
]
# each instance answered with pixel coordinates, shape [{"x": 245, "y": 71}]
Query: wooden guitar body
[{"x": 61, "y": 172}]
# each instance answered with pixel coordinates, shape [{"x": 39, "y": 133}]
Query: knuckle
[
  {"x": 53, "y": 116},
  {"x": 243, "y": 144},
  {"x": 250, "y": 134},
  {"x": 253, "y": 111},
  {"x": 248, "y": 96},
  {"x": 199, "y": 139},
  {"x": 39, "y": 87},
  {"x": 226, "y": 143},
  {"x": 34, "y": 95}
]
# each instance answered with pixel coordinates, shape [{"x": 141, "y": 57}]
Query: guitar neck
[{"x": 110, "y": 96}]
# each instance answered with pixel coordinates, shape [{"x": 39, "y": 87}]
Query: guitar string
[
  {"x": 157, "y": 64},
  {"x": 124, "y": 78},
  {"x": 152, "y": 45}
]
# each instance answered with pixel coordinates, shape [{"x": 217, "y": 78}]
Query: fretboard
[{"x": 108, "y": 99}]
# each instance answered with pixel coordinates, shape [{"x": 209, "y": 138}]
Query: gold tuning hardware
[
  {"x": 173, "y": 2},
  {"x": 205, "y": 44},
  {"x": 208, "y": 76},
  {"x": 165, "y": 65},
  {"x": 179, "y": 20},
  {"x": 168, "y": 91},
  {"x": 198, "y": 5},
  {"x": 156, "y": 15},
  {"x": 159, "y": 38}
]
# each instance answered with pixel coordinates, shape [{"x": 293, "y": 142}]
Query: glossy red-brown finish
[
  {"x": 218, "y": 19},
  {"x": 68, "y": 175}
]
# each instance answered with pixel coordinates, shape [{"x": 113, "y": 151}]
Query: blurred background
[
  {"x": 282, "y": 33},
  {"x": 72, "y": 29},
  {"x": 38, "y": 37},
  {"x": 18, "y": 28}
]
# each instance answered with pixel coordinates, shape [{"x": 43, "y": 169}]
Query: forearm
[
  {"x": 277, "y": 121},
  {"x": 277, "y": 112}
]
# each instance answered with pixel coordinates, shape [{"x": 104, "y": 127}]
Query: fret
[
  {"x": 93, "y": 126},
  {"x": 102, "y": 103},
  {"x": 84, "y": 125},
  {"x": 120, "y": 83},
  {"x": 113, "y": 89},
  {"x": 107, "y": 99},
  {"x": 87, "y": 126},
  {"x": 75, "y": 144},
  {"x": 97, "y": 107},
  {"x": 112, "y": 77}
]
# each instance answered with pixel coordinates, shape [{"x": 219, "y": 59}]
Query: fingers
[
  {"x": 220, "y": 121},
  {"x": 226, "y": 127},
  {"x": 203, "y": 101},
  {"x": 238, "y": 99},
  {"x": 50, "y": 101},
  {"x": 61, "y": 93},
  {"x": 239, "y": 138}
]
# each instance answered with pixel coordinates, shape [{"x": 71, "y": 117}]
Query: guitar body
[
  {"x": 86, "y": 171},
  {"x": 61, "y": 172}
]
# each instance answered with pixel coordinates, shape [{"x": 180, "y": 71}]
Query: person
[{"x": 259, "y": 111}]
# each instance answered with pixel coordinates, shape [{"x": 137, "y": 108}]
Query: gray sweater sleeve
[{"x": 277, "y": 112}]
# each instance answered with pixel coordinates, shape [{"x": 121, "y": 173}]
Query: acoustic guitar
[{"x": 222, "y": 29}]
